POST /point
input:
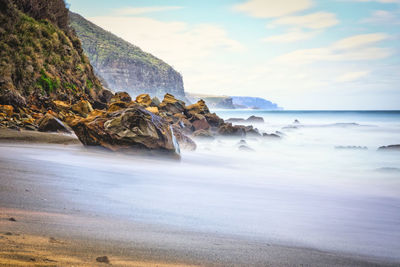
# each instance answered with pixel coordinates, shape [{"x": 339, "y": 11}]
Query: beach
[{"x": 215, "y": 207}]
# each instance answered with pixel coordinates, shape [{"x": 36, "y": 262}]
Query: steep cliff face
[
  {"x": 123, "y": 66},
  {"x": 40, "y": 57}
]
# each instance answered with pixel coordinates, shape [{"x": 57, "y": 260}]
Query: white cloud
[
  {"x": 318, "y": 20},
  {"x": 352, "y": 76},
  {"x": 292, "y": 36},
  {"x": 272, "y": 8},
  {"x": 380, "y": 1},
  {"x": 359, "y": 40},
  {"x": 131, "y": 11},
  {"x": 354, "y": 48},
  {"x": 383, "y": 17}
]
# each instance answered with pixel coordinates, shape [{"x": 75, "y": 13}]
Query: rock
[
  {"x": 352, "y": 147},
  {"x": 184, "y": 141},
  {"x": 61, "y": 105},
  {"x": 12, "y": 98},
  {"x": 213, "y": 119},
  {"x": 198, "y": 108},
  {"x": 117, "y": 106},
  {"x": 171, "y": 104},
  {"x": 49, "y": 123},
  {"x": 144, "y": 100},
  {"x": 12, "y": 219},
  {"x": 156, "y": 101},
  {"x": 255, "y": 119},
  {"x": 153, "y": 109},
  {"x": 245, "y": 148},
  {"x": 390, "y": 148},
  {"x": 105, "y": 95},
  {"x": 272, "y": 136},
  {"x": 202, "y": 134},
  {"x": 130, "y": 129},
  {"x": 103, "y": 259},
  {"x": 121, "y": 97},
  {"x": 201, "y": 124},
  {"x": 296, "y": 121},
  {"x": 227, "y": 129},
  {"x": 250, "y": 131},
  {"x": 82, "y": 107},
  {"x": 235, "y": 120},
  {"x": 7, "y": 109}
]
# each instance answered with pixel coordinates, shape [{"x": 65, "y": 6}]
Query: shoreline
[
  {"x": 70, "y": 231},
  {"x": 34, "y": 137}
]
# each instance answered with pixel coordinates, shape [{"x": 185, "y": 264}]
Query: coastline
[{"x": 69, "y": 231}]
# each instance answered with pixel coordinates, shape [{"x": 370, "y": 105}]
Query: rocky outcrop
[
  {"x": 133, "y": 128},
  {"x": 124, "y": 66},
  {"x": 390, "y": 148},
  {"x": 41, "y": 58}
]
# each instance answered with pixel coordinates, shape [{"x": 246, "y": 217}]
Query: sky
[{"x": 300, "y": 54}]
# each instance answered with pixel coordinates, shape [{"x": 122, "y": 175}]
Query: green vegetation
[{"x": 37, "y": 57}]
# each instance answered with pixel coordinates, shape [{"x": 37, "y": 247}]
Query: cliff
[
  {"x": 123, "y": 66},
  {"x": 232, "y": 102},
  {"x": 254, "y": 103},
  {"x": 41, "y": 58}
]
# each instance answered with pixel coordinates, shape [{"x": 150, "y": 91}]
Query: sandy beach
[{"x": 60, "y": 218}]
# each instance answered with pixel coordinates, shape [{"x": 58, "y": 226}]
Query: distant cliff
[
  {"x": 253, "y": 102},
  {"x": 232, "y": 102},
  {"x": 124, "y": 66}
]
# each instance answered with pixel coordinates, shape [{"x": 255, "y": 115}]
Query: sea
[{"x": 324, "y": 184}]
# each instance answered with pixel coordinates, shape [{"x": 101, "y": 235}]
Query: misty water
[{"x": 299, "y": 190}]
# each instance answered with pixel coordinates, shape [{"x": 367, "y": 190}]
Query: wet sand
[{"x": 57, "y": 224}]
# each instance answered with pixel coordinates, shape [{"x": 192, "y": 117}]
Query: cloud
[
  {"x": 292, "y": 36},
  {"x": 383, "y": 17},
  {"x": 359, "y": 40},
  {"x": 380, "y": 1},
  {"x": 354, "y": 48},
  {"x": 318, "y": 20},
  {"x": 132, "y": 11},
  {"x": 352, "y": 76},
  {"x": 272, "y": 8}
]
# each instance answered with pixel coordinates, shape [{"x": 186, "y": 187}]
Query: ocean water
[{"x": 299, "y": 190}]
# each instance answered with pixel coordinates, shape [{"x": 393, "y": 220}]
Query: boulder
[
  {"x": 198, "y": 108},
  {"x": 117, "y": 106},
  {"x": 202, "y": 134},
  {"x": 49, "y": 123},
  {"x": 121, "y": 97},
  {"x": 227, "y": 129},
  {"x": 156, "y": 101},
  {"x": 7, "y": 110},
  {"x": 144, "y": 100},
  {"x": 184, "y": 141},
  {"x": 129, "y": 129},
  {"x": 201, "y": 124},
  {"x": 172, "y": 105},
  {"x": 153, "y": 109},
  {"x": 255, "y": 119},
  {"x": 213, "y": 119},
  {"x": 61, "y": 105},
  {"x": 272, "y": 136},
  {"x": 390, "y": 148},
  {"x": 235, "y": 120},
  {"x": 82, "y": 107},
  {"x": 250, "y": 131}
]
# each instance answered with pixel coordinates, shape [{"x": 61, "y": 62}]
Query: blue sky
[{"x": 301, "y": 54}]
